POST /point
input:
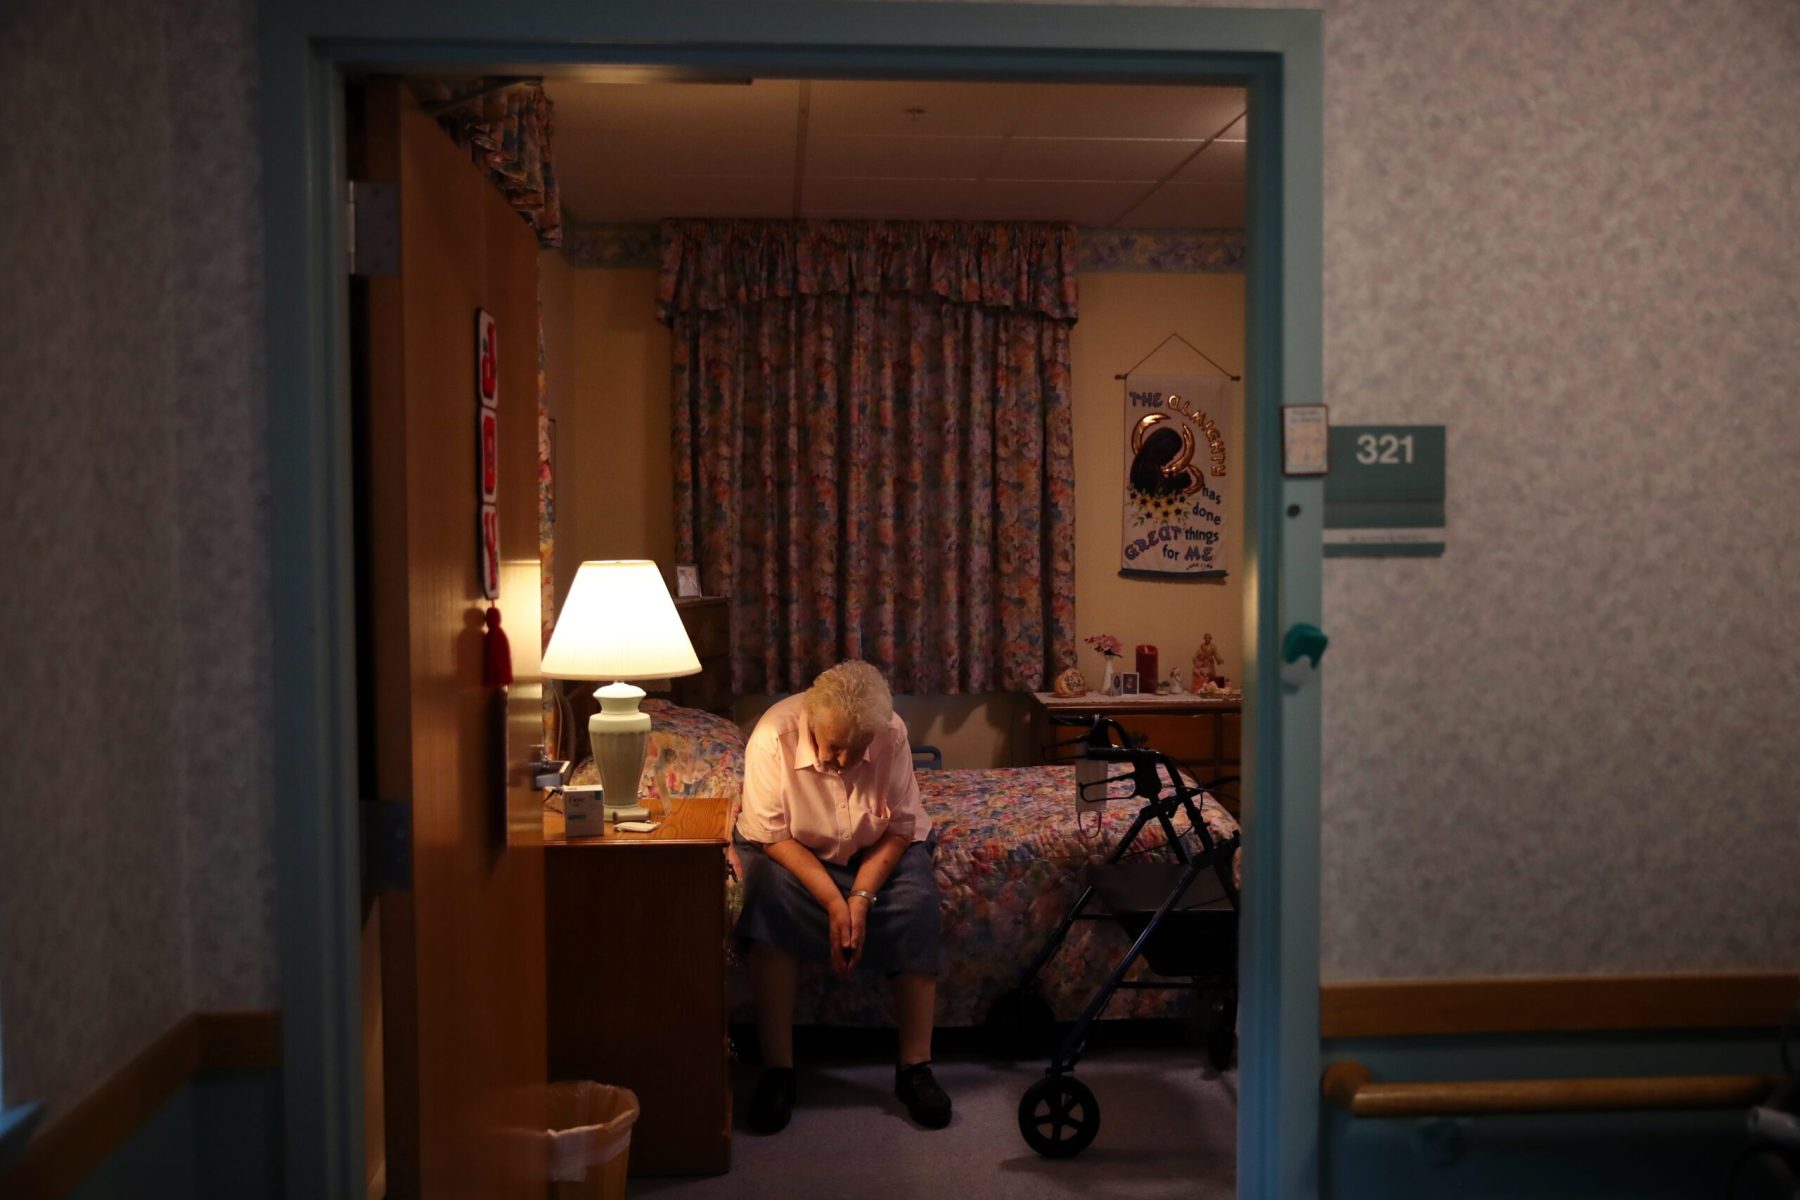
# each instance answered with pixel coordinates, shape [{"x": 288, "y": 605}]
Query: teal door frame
[{"x": 306, "y": 51}]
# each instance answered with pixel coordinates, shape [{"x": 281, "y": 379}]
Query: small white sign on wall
[{"x": 1305, "y": 439}]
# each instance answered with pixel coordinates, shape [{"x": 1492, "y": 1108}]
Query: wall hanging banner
[{"x": 1178, "y": 449}]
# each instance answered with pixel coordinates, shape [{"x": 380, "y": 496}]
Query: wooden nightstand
[
  {"x": 635, "y": 950},
  {"x": 1199, "y": 732},
  {"x": 708, "y": 623}
]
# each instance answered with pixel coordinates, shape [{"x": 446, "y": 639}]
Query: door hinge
[
  {"x": 372, "y": 229},
  {"x": 387, "y": 846}
]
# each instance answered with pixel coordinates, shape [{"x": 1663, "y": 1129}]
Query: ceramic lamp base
[{"x": 618, "y": 733}]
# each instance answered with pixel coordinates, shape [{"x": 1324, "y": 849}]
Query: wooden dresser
[
  {"x": 708, "y": 621},
  {"x": 1200, "y": 733},
  {"x": 635, "y": 955}
]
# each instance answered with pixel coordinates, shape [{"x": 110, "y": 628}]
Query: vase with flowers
[{"x": 1111, "y": 647}]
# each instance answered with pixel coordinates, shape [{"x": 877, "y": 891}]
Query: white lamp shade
[{"x": 619, "y": 623}]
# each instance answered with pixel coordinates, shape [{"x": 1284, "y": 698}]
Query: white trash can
[{"x": 590, "y": 1139}]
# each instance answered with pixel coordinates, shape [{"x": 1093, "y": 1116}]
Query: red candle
[{"x": 1146, "y": 668}]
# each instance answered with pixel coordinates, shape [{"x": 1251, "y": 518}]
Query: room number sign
[
  {"x": 1384, "y": 497},
  {"x": 1384, "y": 449}
]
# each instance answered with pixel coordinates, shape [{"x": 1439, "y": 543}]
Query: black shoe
[
  {"x": 923, "y": 1098},
  {"x": 773, "y": 1102}
]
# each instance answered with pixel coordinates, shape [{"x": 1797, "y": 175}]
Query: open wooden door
[{"x": 459, "y": 948}]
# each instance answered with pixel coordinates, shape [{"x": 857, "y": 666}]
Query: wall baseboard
[
  {"x": 72, "y": 1144},
  {"x": 1556, "y": 1004}
]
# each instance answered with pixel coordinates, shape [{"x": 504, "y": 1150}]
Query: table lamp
[{"x": 619, "y": 624}]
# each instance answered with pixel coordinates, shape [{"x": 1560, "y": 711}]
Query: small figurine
[
  {"x": 1071, "y": 683},
  {"x": 1206, "y": 663},
  {"x": 1172, "y": 685}
]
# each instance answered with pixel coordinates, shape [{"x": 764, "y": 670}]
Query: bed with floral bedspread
[{"x": 1008, "y": 850}]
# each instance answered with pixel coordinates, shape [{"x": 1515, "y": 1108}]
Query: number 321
[{"x": 1386, "y": 449}]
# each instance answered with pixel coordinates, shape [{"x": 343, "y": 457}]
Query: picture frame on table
[
  {"x": 1126, "y": 682},
  {"x": 687, "y": 580}
]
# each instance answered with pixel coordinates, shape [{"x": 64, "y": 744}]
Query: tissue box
[{"x": 584, "y": 811}]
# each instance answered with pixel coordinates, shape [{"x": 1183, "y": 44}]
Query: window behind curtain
[{"x": 873, "y": 450}]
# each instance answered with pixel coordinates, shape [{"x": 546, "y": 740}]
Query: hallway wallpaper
[
  {"x": 1568, "y": 232},
  {"x": 135, "y": 824},
  {"x": 1565, "y": 230}
]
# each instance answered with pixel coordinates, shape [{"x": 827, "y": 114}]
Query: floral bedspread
[{"x": 1009, "y": 856}]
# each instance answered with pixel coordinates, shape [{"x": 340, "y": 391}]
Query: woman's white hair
[{"x": 856, "y": 693}]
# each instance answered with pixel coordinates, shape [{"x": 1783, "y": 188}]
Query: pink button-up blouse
[{"x": 789, "y": 793}]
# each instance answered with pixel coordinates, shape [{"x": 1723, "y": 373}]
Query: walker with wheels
[{"x": 1180, "y": 909}]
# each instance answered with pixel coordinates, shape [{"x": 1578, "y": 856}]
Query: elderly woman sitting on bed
[{"x": 836, "y": 869}]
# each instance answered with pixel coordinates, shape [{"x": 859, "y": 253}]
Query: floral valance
[
  {"x": 709, "y": 266},
  {"x": 508, "y": 132}
]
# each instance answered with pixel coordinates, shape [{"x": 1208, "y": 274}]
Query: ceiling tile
[
  {"x": 697, "y": 150},
  {"x": 1221, "y": 162},
  {"x": 671, "y": 108},
  {"x": 1079, "y": 152},
  {"x": 1190, "y": 206},
  {"x": 603, "y": 208},
  {"x": 892, "y": 199},
  {"x": 589, "y": 191},
  {"x": 1085, "y": 202},
  {"x": 868, "y": 107},
  {"x": 1128, "y": 110},
  {"x": 653, "y": 197},
  {"x": 1143, "y": 159},
  {"x": 885, "y": 156},
  {"x": 582, "y": 180}
]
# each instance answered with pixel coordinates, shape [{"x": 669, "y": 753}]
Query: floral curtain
[
  {"x": 508, "y": 132},
  {"x": 873, "y": 448}
]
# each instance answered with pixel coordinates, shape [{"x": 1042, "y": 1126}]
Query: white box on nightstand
[{"x": 584, "y": 814}]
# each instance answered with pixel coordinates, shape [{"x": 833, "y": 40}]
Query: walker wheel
[
  {"x": 1019, "y": 1025},
  {"x": 1059, "y": 1116}
]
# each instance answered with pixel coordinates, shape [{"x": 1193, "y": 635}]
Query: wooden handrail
[
  {"x": 1558, "y": 1003},
  {"x": 1348, "y": 1085},
  {"x": 71, "y": 1144}
]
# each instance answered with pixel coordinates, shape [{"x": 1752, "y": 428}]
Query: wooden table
[
  {"x": 1202, "y": 733},
  {"x": 635, "y": 950}
]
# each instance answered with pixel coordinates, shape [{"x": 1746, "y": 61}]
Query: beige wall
[
  {"x": 1122, "y": 317},
  {"x": 615, "y": 492},
  {"x": 556, "y": 281},
  {"x": 614, "y": 488}
]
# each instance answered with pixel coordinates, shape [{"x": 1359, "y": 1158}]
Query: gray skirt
[{"x": 901, "y": 933}]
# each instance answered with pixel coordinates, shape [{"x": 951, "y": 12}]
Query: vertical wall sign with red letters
[{"x": 487, "y": 413}]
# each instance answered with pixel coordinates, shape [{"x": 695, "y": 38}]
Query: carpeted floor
[{"x": 1168, "y": 1127}]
